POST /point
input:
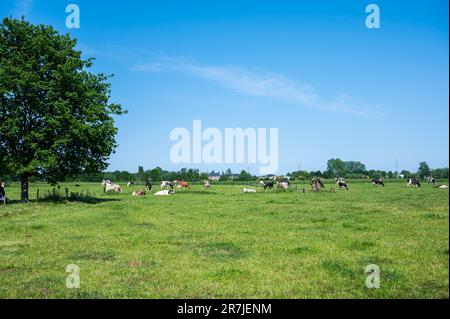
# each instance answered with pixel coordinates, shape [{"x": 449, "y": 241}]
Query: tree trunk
[{"x": 24, "y": 188}]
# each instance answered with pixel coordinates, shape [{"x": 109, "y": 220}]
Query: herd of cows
[
  {"x": 282, "y": 183},
  {"x": 279, "y": 182}
]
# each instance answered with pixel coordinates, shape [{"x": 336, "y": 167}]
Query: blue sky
[{"x": 312, "y": 69}]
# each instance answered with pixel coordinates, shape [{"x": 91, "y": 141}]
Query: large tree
[
  {"x": 336, "y": 167},
  {"x": 55, "y": 115},
  {"x": 354, "y": 167},
  {"x": 424, "y": 170}
]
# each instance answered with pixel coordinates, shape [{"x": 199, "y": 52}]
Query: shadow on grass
[
  {"x": 84, "y": 200},
  {"x": 201, "y": 192},
  {"x": 220, "y": 251}
]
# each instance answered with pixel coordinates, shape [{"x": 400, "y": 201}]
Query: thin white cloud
[
  {"x": 261, "y": 84},
  {"x": 22, "y": 8}
]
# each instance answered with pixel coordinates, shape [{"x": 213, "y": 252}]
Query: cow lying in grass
[
  {"x": 165, "y": 192},
  {"x": 108, "y": 186},
  {"x": 139, "y": 193},
  {"x": 248, "y": 190}
]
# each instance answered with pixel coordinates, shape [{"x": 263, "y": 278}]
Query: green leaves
[{"x": 55, "y": 115}]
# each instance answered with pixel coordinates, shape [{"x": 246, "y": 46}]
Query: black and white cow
[
  {"x": 165, "y": 192},
  {"x": 431, "y": 180},
  {"x": 166, "y": 184},
  {"x": 342, "y": 184},
  {"x": 377, "y": 182},
  {"x": 266, "y": 185},
  {"x": 2, "y": 193},
  {"x": 414, "y": 182},
  {"x": 148, "y": 184}
]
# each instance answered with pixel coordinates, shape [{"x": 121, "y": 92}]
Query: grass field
[{"x": 221, "y": 243}]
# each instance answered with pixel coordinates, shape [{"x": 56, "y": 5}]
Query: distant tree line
[
  {"x": 335, "y": 168},
  {"x": 356, "y": 170}
]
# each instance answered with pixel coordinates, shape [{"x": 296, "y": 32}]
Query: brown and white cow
[
  {"x": 182, "y": 184},
  {"x": 139, "y": 193},
  {"x": 108, "y": 186}
]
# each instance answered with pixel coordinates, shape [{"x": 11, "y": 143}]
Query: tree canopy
[
  {"x": 354, "y": 167},
  {"x": 55, "y": 116},
  {"x": 336, "y": 167},
  {"x": 424, "y": 170}
]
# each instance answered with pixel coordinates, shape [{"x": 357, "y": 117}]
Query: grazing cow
[
  {"x": 377, "y": 182},
  {"x": 165, "y": 192},
  {"x": 148, "y": 184},
  {"x": 431, "y": 180},
  {"x": 206, "y": 184},
  {"x": 182, "y": 184},
  {"x": 130, "y": 183},
  {"x": 166, "y": 184},
  {"x": 139, "y": 193},
  {"x": 266, "y": 185},
  {"x": 342, "y": 184},
  {"x": 414, "y": 182},
  {"x": 316, "y": 184},
  {"x": 248, "y": 190},
  {"x": 283, "y": 185},
  {"x": 2, "y": 193}
]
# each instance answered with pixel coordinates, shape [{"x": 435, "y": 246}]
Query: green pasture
[{"x": 221, "y": 243}]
